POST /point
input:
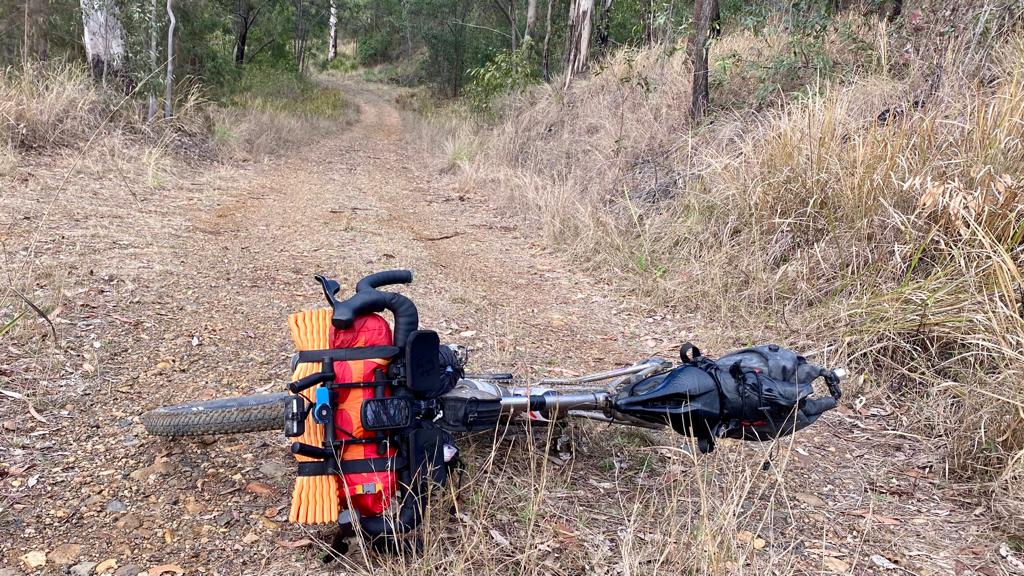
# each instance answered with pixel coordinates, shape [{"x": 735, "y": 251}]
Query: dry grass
[
  {"x": 897, "y": 244},
  {"x": 275, "y": 111}
]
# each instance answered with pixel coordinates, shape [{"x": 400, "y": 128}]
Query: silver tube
[
  {"x": 554, "y": 401},
  {"x": 598, "y": 376}
]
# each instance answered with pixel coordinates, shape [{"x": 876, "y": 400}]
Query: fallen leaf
[
  {"x": 249, "y": 538},
  {"x": 468, "y": 333},
  {"x": 883, "y": 562},
  {"x": 64, "y": 554},
  {"x": 108, "y": 565},
  {"x": 269, "y": 524},
  {"x": 272, "y": 511},
  {"x": 811, "y": 499},
  {"x": 835, "y": 564},
  {"x": 260, "y": 488},
  {"x": 745, "y": 536},
  {"x": 501, "y": 540},
  {"x": 294, "y": 543},
  {"x": 165, "y": 568},
  {"x": 34, "y": 559},
  {"x": 32, "y": 411},
  {"x": 877, "y": 518}
]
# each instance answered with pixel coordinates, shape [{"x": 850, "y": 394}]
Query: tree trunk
[
  {"x": 510, "y": 15},
  {"x": 169, "y": 94},
  {"x": 603, "y": 24},
  {"x": 153, "y": 39},
  {"x": 578, "y": 53},
  {"x": 103, "y": 36},
  {"x": 531, "y": 19},
  {"x": 332, "y": 40},
  {"x": 36, "y": 41},
  {"x": 546, "y": 54},
  {"x": 242, "y": 23},
  {"x": 299, "y": 43},
  {"x": 703, "y": 10},
  {"x": 408, "y": 28}
]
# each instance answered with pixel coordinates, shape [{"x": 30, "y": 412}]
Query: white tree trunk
[
  {"x": 153, "y": 38},
  {"x": 531, "y": 19},
  {"x": 580, "y": 12},
  {"x": 169, "y": 97},
  {"x": 332, "y": 47},
  {"x": 103, "y": 36}
]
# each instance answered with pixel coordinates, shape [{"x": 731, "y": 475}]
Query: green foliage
[
  {"x": 507, "y": 72},
  {"x": 807, "y": 24},
  {"x": 374, "y": 48},
  {"x": 273, "y": 89}
]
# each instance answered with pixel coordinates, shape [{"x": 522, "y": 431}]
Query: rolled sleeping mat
[{"x": 314, "y": 498}]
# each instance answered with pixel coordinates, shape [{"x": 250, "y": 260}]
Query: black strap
[
  {"x": 346, "y": 354},
  {"x": 366, "y": 466},
  {"x": 689, "y": 353}
]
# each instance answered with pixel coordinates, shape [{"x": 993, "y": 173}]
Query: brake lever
[{"x": 331, "y": 287}]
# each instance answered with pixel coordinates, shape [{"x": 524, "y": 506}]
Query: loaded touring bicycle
[{"x": 374, "y": 410}]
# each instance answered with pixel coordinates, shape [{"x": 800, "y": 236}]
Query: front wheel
[{"x": 222, "y": 416}]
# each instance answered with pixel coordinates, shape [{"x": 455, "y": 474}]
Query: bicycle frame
[{"x": 540, "y": 402}]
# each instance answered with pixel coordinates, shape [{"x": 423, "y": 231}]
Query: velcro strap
[
  {"x": 345, "y": 354},
  {"x": 366, "y": 466}
]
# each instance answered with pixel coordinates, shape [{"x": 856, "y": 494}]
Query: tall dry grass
[{"x": 895, "y": 241}]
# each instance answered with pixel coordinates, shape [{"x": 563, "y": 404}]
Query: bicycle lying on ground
[{"x": 374, "y": 409}]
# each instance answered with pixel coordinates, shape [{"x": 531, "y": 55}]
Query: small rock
[
  {"x": 129, "y": 522},
  {"x": 249, "y": 538},
  {"x": 159, "y": 467},
  {"x": 225, "y": 518},
  {"x": 116, "y": 506},
  {"x": 193, "y": 507},
  {"x": 34, "y": 559},
  {"x": 8, "y": 572},
  {"x": 274, "y": 470},
  {"x": 129, "y": 570},
  {"x": 64, "y": 554},
  {"x": 83, "y": 568},
  {"x": 108, "y": 565}
]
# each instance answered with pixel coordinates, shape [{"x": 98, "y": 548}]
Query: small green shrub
[
  {"x": 373, "y": 48},
  {"x": 507, "y": 72}
]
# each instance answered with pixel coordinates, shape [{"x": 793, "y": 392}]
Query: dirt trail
[{"x": 183, "y": 294}]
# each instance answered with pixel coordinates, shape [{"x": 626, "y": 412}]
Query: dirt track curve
[{"x": 183, "y": 293}]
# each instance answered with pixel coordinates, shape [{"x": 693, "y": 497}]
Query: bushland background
[{"x": 842, "y": 177}]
